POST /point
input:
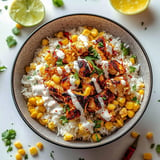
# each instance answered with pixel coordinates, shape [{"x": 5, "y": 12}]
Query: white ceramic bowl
[{"x": 33, "y": 42}]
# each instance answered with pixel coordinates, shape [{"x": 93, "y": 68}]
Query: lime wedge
[
  {"x": 130, "y": 7},
  {"x": 28, "y": 13}
]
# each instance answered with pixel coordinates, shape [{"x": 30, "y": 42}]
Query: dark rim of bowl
[{"x": 96, "y": 144}]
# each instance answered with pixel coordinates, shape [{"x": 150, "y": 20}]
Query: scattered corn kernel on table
[{"x": 144, "y": 26}]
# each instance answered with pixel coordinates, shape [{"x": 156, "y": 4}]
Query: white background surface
[{"x": 150, "y": 120}]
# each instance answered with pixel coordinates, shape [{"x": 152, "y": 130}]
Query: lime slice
[
  {"x": 27, "y": 12},
  {"x": 130, "y": 7}
]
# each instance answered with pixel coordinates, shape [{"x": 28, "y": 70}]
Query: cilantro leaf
[
  {"x": 100, "y": 44},
  {"x": 11, "y": 42},
  {"x": 132, "y": 69},
  {"x": 59, "y": 62},
  {"x": 158, "y": 148},
  {"x": 58, "y": 3},
  {"x": 64, "y": 119},
  {"x": 76, "y": 75},
  {"x": 16, "y": 31},
  {"x": 134, "y": 87},
  {"x": 92, "y": 51},
  {"x": 97, "y": 123},
  {"x": 125, "y": 51},
  {"x": 2, "y": 68}
]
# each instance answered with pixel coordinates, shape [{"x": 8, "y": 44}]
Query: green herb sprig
[{"x": 7, "y": 136}]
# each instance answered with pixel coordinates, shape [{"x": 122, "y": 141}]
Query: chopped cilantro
[
  {"x": 11, "y": 42},
  {"x": 134, "y": 87},
  {"x": 58, "y": 3},
  {"x": 76, "y": 75},
  {"x": 28, "y": 77},
  {"x": 133, "y": 56},
  {"x": 59, "y": 62},
  {"x": 132, "y": 69},
  {"x": 152, "y": 145},
  {"x": 16, "y": 31},
  {"x": 97, "y": 138},
  {"x": 125, "y": 51},
  {"x": 52, "y": 155},
  {"x": 135, "y": 100},
  {"x": 97, "y": 123},
  {"x": 46, "y": 65},
  {"x": 92, "y": 51},
  {"x": 10, "y": 148},
  {"x": 100, "y": 44},
  {"x": 7, "y": 136},
  {"x": 91, "y": 58},
  {"x": 58, "y": 46},
  {"x": 2, "y": 68},
  {"x": 65, "y": 108},
  {"x": 6, "y": 7},
  {"x": 104, "y": 98},
  {"x": 96, "y": 69},
  {"x": 26, "y": 156},
  {"x": 158, "y": 148},
  {"x": 64, "y": 119}
]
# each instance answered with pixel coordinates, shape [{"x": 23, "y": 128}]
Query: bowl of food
[{"x": 81, "y": 81}]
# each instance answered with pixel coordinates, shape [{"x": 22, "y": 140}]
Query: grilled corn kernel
[
  {"x": 56, "y": 79},
  {"x": 111, "y": 106},
  {"x": 94, "y": 32},
  {"x": 141, "y": 85},
  {"x": 87, "y": 91},
  {"x": 123, "y": 112},
  {"x": 74, "y": 38},
  {"x": 65, "y": 41},
  {"x": 33, "y": 66},
  {"x": 34, "y": 114},
  {"x": 39, "y": 145},
  {"x": 134, "y": 134},
  {"x": 77, "y": 82},
  {"x": 141, "y": 91},
  {"x": 129, "y": 105},
  {"x": 132, "y": 60},
  {"x": 86, "y": 32},
  {"x": 59, "y": 35},
  {"x": 27, "y": 69},
  {"x": 120, "y": 122},
  {"x": 109, "y": 125},
  {"x": 18, "y": 156},
  {"x": 115, "y": 102},
  {"x": 33, "y": 151},
  {"x": 43, "y": 121},
  {"x": 41, "y": 109},
  {"x": 19, "y": 26},
  {"x": 96, "y": 137},
  {"x": 136, "y": 107},
  {"x": 121, "y": 101},
  {"x": 18, "y": 145},
  {"x": 32, "y": 100},
  {"x": 149, "y": 135},
  {"x": 68, "y": 137},
  {"x": 45, "y": 42},
  {"x": 131, "y": 114},
  {"x": 147, "y": 156},
  {"x": 21, "y": 152},
  {"x": 39, "y": 115},
  {"x": 51, "y": 126}
]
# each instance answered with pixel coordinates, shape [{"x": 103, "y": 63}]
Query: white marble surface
[{"x": 150, "y": 120}]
